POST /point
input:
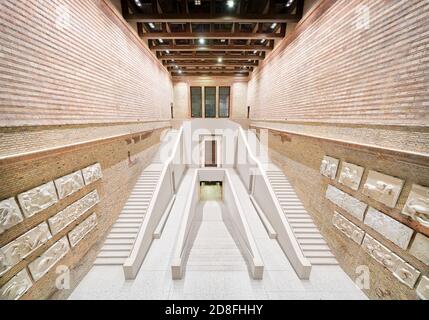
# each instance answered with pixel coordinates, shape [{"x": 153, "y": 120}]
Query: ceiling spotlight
[
  {"x": 151, "y": 25},
  {"x": 230, "y": 3},
  {"x": 138, "y": 3},
  {"x": 274, "y": 25},
  {"x": 201, "y": 41},
  {"x": 223, "y": 40},
  {"x": 167, "y": 51},
  {"x": 197, "y": 2},
  {"x": 219, "y": 60},
  {"x": 288, "y": 4},
  {"x": 161, "y": 41},
  {"x": 255, "y": 52},
  {"x": 263, "y": 40},
  {"x": 180, "y": 71}
]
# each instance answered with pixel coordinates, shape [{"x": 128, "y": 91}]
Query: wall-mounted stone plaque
[
  {"x": 63, "y": 218},
  {"x": 423, "y": 288},
  {"x": 380, "y": 253},
  {"x": 78, "y": 233},
  {"x": 391, "y": 229},
  {"x": 383, "y": 188},
  {"x": 351, "y": 230},
  {"x": 346, "y": 202},
  {"x": 16, "y": 287},
  {"x": 417, "y": 205},
  {"x": 92, "y": 173},
  {"x": 329, "y": 167},
  {"x": 38, "y": 199},
  {"x": 18, "y": 249},
  {"x": 407, "y": 274},
  {"x": 69, "y": 184},
  {"x": 420, "y": 248},
  {"x": 49, "y": 258},
  {"x": 351, "y": 175},
  {"x": 10, "y": 214}
]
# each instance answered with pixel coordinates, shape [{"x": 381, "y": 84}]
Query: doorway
[{"x": 211, "y": 151}]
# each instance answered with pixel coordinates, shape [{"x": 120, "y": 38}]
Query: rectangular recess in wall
[
  {"x": 196, "y": 102},
  {"x": 224, "y": 102}
]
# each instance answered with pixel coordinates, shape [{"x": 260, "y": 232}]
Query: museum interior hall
[{"x": 214, "y": 150}]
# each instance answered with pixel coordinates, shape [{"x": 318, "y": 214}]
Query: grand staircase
[
  {"x": 309, "y": 238},
  {"x": 120, "y": 240}
]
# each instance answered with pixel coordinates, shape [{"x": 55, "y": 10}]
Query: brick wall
[
  {"x": 341, "y": 70},
  {"x": 70, "y": 61}
]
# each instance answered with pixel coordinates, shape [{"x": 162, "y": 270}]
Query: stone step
[
  {"x": 133, "y": 211},
  {"x": 113, "y": 254},
  {"x": 323, "y": 261},
  {"x": 121, "y": 224},
  {"x": 117, "y": 247},
  {"x": 318, "y": 254},
  {"x": 119, "y": 242},
  {"x": 305, "y": 230},
  {"x": 124, "y": 219},
  {"x": 109, "y": 261},
  {"x": 124, "y": 230},
  {"x": 313, "y": 241},
  {"x": 296, "y": 215},
  {"x": 302, "y": 235},
  {"x": 296, "y": 225},
  {"x": 315, "y": 247},
  {"x": 124, "y": 215},
  {"x": 121, "y": 236}
]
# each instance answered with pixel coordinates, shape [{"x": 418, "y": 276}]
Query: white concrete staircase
[
  {"x": 214, "y": 249},
  {"x": 309, "y": 238},
  {"x": 120, "y": 240}
]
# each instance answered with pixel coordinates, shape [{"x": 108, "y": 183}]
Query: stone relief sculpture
[
  {"x": 329, "y": 167},
  {"x": 417, "y": 205},
  {"x": 78, "y": 233},
  {"x": 420, "y": 248},
  {"x": 406, "y": 273},
  {"x": 351, "y": 175},
  {"x": 346, "y": 202},
  {"x": 18, "y": 249},
  {"x": 73, "y": 212},
  {"x": 380, "y": 253},
  {"x": 10, "y": 214},
  {"x": 16, "y": 287},
  {"x": 92, "y": 173},
  {"x": 38, "y": 199},
  {"x": 49, "y": 258},
  {"x": 388, "y": 227},
  {"x": 69, "y": 184},
  {"x": 383, "y": 188},
  {"x": 351, "y": 230},
  {"x": 423, "y": 288}
]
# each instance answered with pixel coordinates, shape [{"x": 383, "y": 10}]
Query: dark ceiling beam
[
  {"x": 213, "y": 56},
  {"x": 202, "y": 48},
  {"x": 212, "y": 35},
  {"x": 196, "y": 74},
  {"x": 212, "y": 63},
  {"x": 208, "y": 18}
]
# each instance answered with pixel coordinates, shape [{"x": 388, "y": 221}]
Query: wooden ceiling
[{"x": 212, "y": 37}]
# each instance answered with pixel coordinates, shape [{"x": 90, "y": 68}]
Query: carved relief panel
[
  {"x": 17, "y": 250},
  {"x": 69, "y": 184},
  {"x": 417, "y": 205},
  {"x": 16, "y": 287},
  {"x": 351, "y": 175},
  {"x": 38, "y": 199},
  {"x": 420, "y": 248},
  {"x": 78, "y": 233},
  {"x": 380, "y": 253},
  {"x": 407, "y": 274},
  {"x": 383, "y": 188},
  {"x": 391, "y": 229},
  {"x": 329, "y": 167},
  {"x": 346, "y": 202},
  {"x": 423, "y": 288},
  {"x": 49, "y": 258},
  {"x": 351, "y": 230},
  {"x": 73, "y": 212},
  {"x": 92, "y": 173},
  {"x": 10, "y": 214}
]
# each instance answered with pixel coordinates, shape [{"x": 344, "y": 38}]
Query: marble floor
[{"x": 154, "y": 278}]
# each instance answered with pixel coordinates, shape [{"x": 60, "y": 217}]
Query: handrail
[
  {"x": 157, "y": 206},
  {"x": 285, "y": 236}
]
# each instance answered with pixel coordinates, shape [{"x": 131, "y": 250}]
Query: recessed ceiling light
[
  {"x": 201, "y": 41},
  {"x": 263, "y": 40},
  {"x": 151, "y": 25},
  {"x": 288, "y": 4},
  {"x": 230, "y": 3},
  {"x": 274, "y": 25},
  {"x": 180, "y": 71},
  {"x": 138, "y": 3},
  {"x": 197, "y": 2},
  {"x": 167, "y": 51},
  {"x": 219, "y": 59},
  {"x": 161, "y": 41},
  {"x": 255, "y": 52},
  {"x": 223, "y": 40}
]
